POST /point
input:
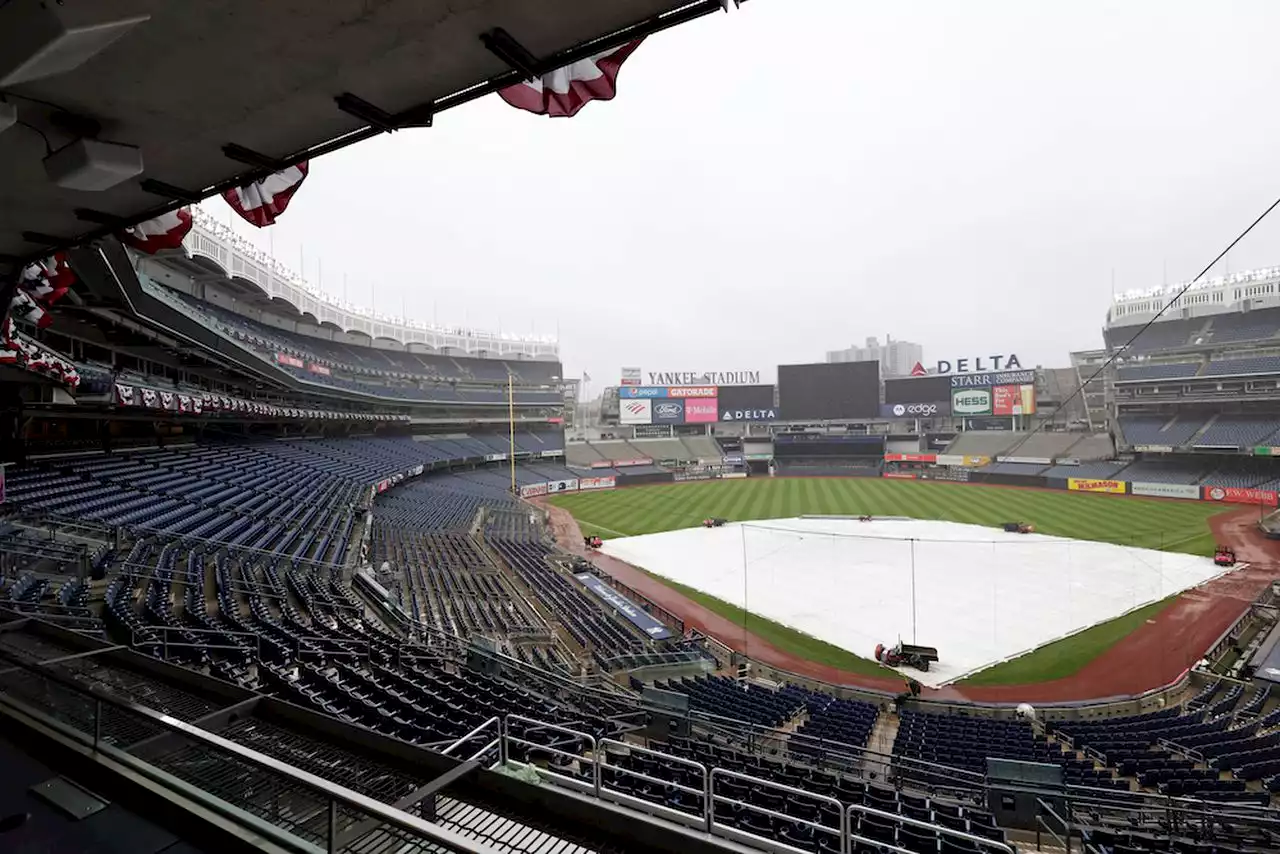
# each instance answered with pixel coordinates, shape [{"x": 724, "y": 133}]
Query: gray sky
[{"x": 802, "y": 174}]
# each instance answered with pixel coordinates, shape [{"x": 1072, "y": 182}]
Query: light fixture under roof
[
  {"x": 36, "y": 43},
  {"x": 91, "y": 165},
  {"x": 8, "y": 116}
]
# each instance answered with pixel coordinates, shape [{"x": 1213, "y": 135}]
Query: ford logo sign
[{"x": 667, "y": 409}]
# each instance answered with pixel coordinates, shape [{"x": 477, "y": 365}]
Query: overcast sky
[{"x": 802, "y": 174}]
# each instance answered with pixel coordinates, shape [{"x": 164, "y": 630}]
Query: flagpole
[{"x": 511, "y": 421}]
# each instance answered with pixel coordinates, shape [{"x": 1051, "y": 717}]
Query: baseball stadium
[{"x": 279, "y": 573}]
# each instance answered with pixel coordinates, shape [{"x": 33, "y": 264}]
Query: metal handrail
[
  {"x": 602, "y": 763},
  {"x": 590, "y": 739},
  {"x": 1046, "y": 808},
  {"x": 335, "y": 793},
  {"x": 495, "y": 720}
]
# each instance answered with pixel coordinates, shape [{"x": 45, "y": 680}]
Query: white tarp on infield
[{"x": 981, "y": 595}]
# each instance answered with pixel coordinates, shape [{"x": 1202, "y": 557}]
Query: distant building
[{"x": 896, "y": 358}]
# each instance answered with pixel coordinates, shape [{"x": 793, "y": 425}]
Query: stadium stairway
[{"x": 1208, "y": 425}]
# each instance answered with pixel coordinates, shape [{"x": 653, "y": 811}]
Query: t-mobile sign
[{"x": 701, "y": 410}]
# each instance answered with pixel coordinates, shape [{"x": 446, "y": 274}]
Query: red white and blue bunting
[
  {"x": 561, "y": 93},
  {"x": 262, "y": 201},
  {"x": 163, "y": 232},
  {"x": 39, "y": 286}
]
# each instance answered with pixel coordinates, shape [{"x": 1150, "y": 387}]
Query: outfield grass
[
  {"x": 1149, "y": 523},
  {"x": 1171, "y": 525}
]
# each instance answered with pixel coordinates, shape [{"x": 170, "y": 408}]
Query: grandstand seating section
[
  {"x": 1030, "y": 469},
  {"x": 281, "y": 621},
  {"x": 1260, "y": 325},
  {"x": 1170, "y": 371},
  {"x": 1239, "y": 430},
  {"x": 1041, "y": 445},
  {"x": 387, "y": 373},
  {"x": 1232, "y": 366},
  {"x": 1159, "y": 430},
  {"x": 1099, "y": 469},
  {"x": 1183, "y": 470}
]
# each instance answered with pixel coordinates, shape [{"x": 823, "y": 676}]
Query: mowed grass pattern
[
  {"x": 1154, "y": 524},
  {"x": 1171, "y": 525}
]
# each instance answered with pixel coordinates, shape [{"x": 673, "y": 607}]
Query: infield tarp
[{"x": 625, "y": 607}]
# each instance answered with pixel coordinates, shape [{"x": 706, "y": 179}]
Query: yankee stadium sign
[{"x": 704, "y": 378}]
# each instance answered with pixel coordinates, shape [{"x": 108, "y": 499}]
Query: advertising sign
[
  {"x": 569, "y": 485},
  {"x": 624, "y": 606},
  {"x": 989, "y": 379},
  {"x": 989, "y": 424},
  {"x": 910, "y": 458},
  {"x": 748, "y": 403},
  {"x": 979, "y": 364},
  {"x": 701, "y": 410},
  {"x": 768, "y": 414},
  {"x": 1238, "y": 495},
  {"x": 703, "y": 377},
  {"x": 322, "y": 370},
  {"x": 914, "y": 410},
  {"x": 585, "y": 483},
  {"x": 1013, "y": 400},
  {"x": 643, "y": 461},
  {"x": 291, "y": 361},
  {"x": 971, "y": 401},
  {"x": 938, "y": 441},
  {"x": 692, "y": 391},
  {"x": 642, "y": 391},
  {"x": 682, "y": 476},
  {"x": 668, "y": 411},
  {"x": 495, "y": 458},
  {"x": 965, "y": 460},
  {"x": 1077, "y": 484},
  {"x": 899, "y": 475},
  {"x": 636, "y": 412},
  {"x": 1265, "y": 451},
  {"x": 532, "y": 489},
  {"x": 1165, "y": 490},
  {"x": 630, "y": 376},
  {"x": 602, "y": 464},
  {"x": 1027, "y": 461}
]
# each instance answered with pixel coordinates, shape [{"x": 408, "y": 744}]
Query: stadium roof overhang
[{"x": 216, "y": 95}]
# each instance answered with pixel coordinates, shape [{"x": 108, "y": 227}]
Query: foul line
[{"x": 582, "y": 522}]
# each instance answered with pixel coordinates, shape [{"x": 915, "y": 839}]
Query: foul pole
[{"x": 511, "y": 424}]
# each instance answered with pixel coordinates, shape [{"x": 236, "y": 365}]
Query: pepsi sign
[{"x": 643, "y": 391}]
